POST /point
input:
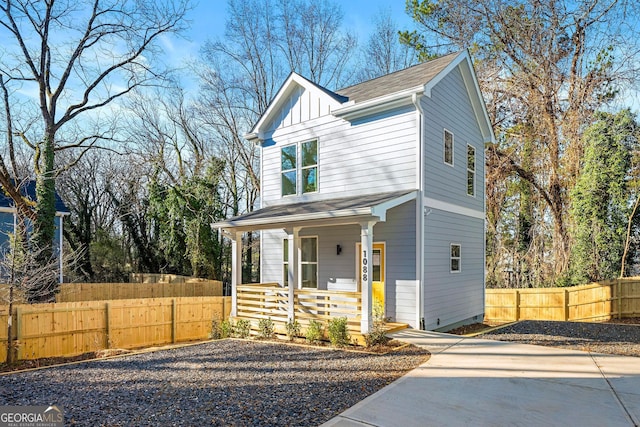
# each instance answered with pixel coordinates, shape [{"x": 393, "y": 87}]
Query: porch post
[
  {"x": 236, "y": 270},
  {"x": 292, "y": 269},
  {"x": 366, "y": 245}
]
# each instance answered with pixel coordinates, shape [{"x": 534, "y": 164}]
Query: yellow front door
[{"x": 377, "y": 278}]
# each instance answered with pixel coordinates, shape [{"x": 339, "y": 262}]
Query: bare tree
[
  {"x": 78, "y": 57},
  {"x": 545, "y": 68},
  {"x": 383, "y": 53}
]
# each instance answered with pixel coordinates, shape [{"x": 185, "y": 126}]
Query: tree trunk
[{"x": 44, "y": 223}]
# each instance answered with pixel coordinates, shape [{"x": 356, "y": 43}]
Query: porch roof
[{"x": 320, "y": 212}]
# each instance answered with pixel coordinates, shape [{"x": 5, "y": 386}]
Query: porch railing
[{"x": 272, "y": 301}]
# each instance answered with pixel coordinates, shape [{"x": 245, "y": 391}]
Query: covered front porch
[{"x": 297, "y": 297}]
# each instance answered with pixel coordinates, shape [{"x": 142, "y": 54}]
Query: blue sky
[{"x": 208, "y": 18}]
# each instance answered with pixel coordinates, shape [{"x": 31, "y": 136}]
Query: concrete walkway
[{"x": 477, "y": 382}]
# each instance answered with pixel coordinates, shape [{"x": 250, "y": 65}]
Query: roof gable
[{"x": 297, "y": 100}]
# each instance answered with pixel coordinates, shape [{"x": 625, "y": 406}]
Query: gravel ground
[
  {"x": 227, "y": 382},
  {"x": 608, "y": 338}
]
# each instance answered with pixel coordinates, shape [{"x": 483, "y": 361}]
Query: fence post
[
  {"x": 174, "y": 321},
  {"x": 18, "y": 341},
  {"x": 619, "y": 283},
  {"x": 565, "y": 303},
  {"x": 516, "y": 300},
  {"x": 107, "y": 320}
]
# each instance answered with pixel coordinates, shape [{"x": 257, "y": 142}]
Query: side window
[
  {"x": 309, "y": 262},
  {"x": 455, "y": 258},
  {"x": 309, "y": 152},
  {"x": 288, "y": 163},
  {"x": 471, "y": 170},
  {"x": 448, "y": 147}
]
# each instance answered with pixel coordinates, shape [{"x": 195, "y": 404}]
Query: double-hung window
[
  {"x": 289, "y": 161},
  {"x": 309, "y": 152},
  {"x": 455, "y": 257},
  {"x": 471, "y": 170},
  {"x": 299, "y": 175}
]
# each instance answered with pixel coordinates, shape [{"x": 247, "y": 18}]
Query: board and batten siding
[
  {"x": 450, "y": 108},
  {"x": 374, "y": 155},
  {"x": 453, "y": 297},
  {"x": 300, "y": 106}
]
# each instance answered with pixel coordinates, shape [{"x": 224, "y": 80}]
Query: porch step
[{"x": 390, "y": 327}]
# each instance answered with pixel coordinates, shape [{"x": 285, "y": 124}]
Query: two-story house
[{"x": 376, "y": 189}]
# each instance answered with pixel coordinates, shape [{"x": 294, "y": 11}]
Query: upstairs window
[
  {"x": 309, "y": 166},
  {"x": 448, "y": 147},
  {"x": 303, "y": 171},
  {"x": 288, "y": 162},
  {"x": 471, "y": 170}
]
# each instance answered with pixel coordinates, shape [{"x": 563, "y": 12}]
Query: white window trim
[
  {"x": 475, "y": 160},
  {"x": 459, "y": 258},
  {"x": 301, "y": 263},
  {"x": 444, "y": 148},
  {"x": 289, "y": 170}
]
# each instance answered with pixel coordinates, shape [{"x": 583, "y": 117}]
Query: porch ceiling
[{"x": 346, "y": 210}]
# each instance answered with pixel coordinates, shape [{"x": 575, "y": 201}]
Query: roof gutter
[{"x": 379, "y": 104}]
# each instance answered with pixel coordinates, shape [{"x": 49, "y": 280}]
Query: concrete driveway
[{"x": 478, "y": 382}]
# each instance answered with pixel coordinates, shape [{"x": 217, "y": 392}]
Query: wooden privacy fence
[
  {"x": 269, "y": 300},
  {"x": 72, "y": 328},
  {"x": 71, "y": 292},
  {"x": 162, "y": 278},
  {"x": 590, "y": 303}
]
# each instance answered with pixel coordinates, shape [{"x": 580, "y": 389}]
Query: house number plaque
[{"x": 365, "y": 267}]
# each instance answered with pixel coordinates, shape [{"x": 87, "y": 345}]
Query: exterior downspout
[{"x": 420, "y": 239}]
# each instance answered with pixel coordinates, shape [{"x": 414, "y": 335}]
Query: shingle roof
[
  {"x": 320, "y": 209},
  {"x": 29, "y": 189},
  {"x": 395, "y": 82}
]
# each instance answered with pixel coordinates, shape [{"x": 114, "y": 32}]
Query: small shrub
[
  {"x": 376, "y": 336},
  {"x": 226, "y": 329},
  {"x": 293, "y": 329},
  {"x": 338, "y": 332},
  {"x": 314, "y": 332},
  {"x": 216, "y": 330},
  {"x": 265, "y": 328},
  {"x": 242, "y": 329}
]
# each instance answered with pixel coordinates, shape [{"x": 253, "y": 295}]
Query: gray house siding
[
  {"x": 339, "y": 271},
  {"x": 370, "y": 156},
  {"x": 450, "y": 108},
  {"x": 399, "y": 235},
  {"x": 453, "y": 297}
]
